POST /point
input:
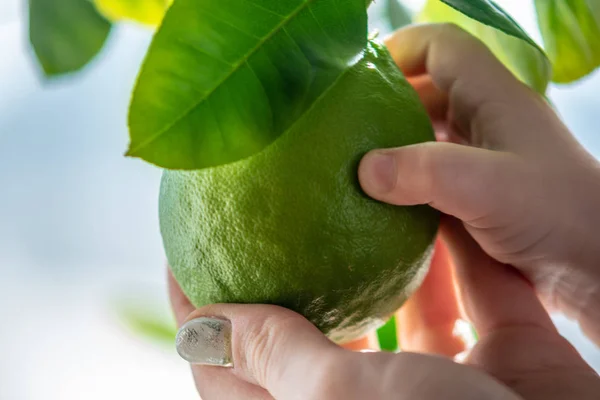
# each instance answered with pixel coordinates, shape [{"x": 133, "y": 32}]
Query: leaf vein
[
  {"x": 202, "y": 51},
  {"x": 237, "y": 28},
  {"x": 187, "y": 112},
  {"x": 258, "y": 6}
]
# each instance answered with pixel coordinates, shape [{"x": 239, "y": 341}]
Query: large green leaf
[
  {"x": 508, "y": 41},
  {"x": 571, "y": 32},
  {"x": 148, "y": 12},
  {"x": 65, "y": 34},
  {"x": 224, "y": 79}
]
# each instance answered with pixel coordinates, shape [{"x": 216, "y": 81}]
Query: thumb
[
  {"x": 462, "y": 181},
  {"x": 277, "y": 354},
  {"x": 267, "y": 346}
]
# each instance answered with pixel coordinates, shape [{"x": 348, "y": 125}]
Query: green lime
[{"x": 290, "y": 225}]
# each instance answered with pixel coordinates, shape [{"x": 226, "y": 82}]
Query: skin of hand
[
  {"x": 274, "y": 353},
  {"x": 277, "y": 354},
  {"x": 523, "y": 187}
]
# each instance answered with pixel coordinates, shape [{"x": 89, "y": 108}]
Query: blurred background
[{"x": 79, "y": 230}]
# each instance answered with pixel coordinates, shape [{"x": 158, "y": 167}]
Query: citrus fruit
[{"x": 290, "y": 225}]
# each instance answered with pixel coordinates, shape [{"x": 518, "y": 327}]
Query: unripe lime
[{"x": 290, "y": 225}]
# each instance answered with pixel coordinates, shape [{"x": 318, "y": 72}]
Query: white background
[{"x": 79, "y": 227}]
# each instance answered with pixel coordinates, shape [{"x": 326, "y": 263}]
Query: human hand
[
  {"x": 524, "y": 188},
  {"x": 277, "y": 354}
]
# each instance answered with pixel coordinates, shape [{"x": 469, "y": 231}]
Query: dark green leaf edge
[{"x": 522, "y": 35}]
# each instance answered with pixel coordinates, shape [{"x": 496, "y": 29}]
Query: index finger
[
  {"x": 427, "y": 320},
  {"x": 479, "y": 87},
  {"x": 450, "y": 55}
]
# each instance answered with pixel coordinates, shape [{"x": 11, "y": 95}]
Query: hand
[
  {"x": 524, "y": 189},
  {"x": 277, "y": 354}
]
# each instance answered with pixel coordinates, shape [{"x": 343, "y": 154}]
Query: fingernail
[
  {"x": 379, "y": 172},
  {"x": 205, "y": 341}
]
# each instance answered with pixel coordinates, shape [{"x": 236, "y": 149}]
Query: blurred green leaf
[
  {"x": 224, "y": 79},
  {"x": 148, "y": 324},
  {"x": 66, "y": 34},
  {"x": 397, "y": 14},
  {"x": 148, "y": 12},
  {"x": 509, "y": 42},
  {"x": 571, "y": 32},
  {"x": 387, "y": 336},
  {"x": 474, "y": 334}
]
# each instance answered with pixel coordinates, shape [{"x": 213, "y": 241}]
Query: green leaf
[
  {"x": 397, "y": 14},
  {"x": 150, "y": 325},
  {"x": 387, "y": 336},
  {"x": 507, "y": 40},
  {"x": 66, "y": 34},
  {"x": 224, "y": 79},
  {"x": 474, "y": 334},
  {"x": 571, "y": 32},
  {"x": 489, "y": 13},
  {"x": 147, "y": 12}
]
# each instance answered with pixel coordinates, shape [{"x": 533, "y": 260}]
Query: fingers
[
  {"x": 268, "y": 346},
  {"x": 493, "y": 295},
  {"x": 519, "y": 344},
  {"x": 462, "y": 181},
  {"x": 409, "y": 376},
  {"x": 447, "y": 52},
  {"x": 426, "y": 321},
  {"x": 434, "y": 100},
  {"x": 436, "y": 103},
  {"x": 591, "y": 328},
  {"x": 277, "y": 350},
  {"x": 277, "y": 354},
  {"x": 220, "y": 384},
  {"x": 478, "y": 86},
  {"x": 211, "y": 381}
]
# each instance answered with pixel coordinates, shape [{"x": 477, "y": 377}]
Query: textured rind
[{"x": 290, "y": 225}]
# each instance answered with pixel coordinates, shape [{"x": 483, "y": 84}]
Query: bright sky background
[{"x": 79, "y": 226}]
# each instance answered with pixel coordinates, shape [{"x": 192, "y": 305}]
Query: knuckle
[
  {"x": 452, "y": 31},
  {"x": 450, "y": 28},
  {"x": 427, "y": 169},
  {"x": 469, "y": 44},
  {"x": 263, "y": 343},
  {"x": 416, "y": 173}
]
